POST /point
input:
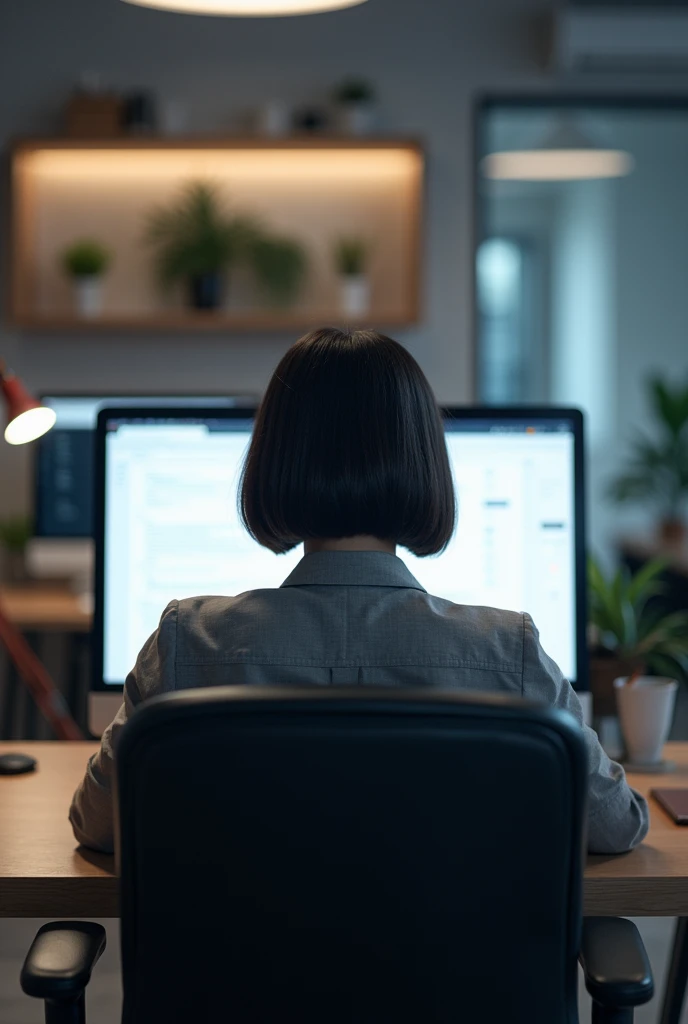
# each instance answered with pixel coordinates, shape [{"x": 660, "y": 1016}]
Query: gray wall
[{"x": 428, "y": 58}]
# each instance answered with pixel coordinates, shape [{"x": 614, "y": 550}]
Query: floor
[{"x": 104, "y": 996}]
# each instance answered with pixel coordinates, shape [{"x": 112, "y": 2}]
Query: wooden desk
[
  {"x": 43, "y": 874},
  {"x": 45, "y": 607}
]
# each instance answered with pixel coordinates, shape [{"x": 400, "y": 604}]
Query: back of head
[{"x": 348, "y": 441}]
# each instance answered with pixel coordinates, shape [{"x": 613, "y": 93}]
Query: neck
[{"x": 360, "y": 543}]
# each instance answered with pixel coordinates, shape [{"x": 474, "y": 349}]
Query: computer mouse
[{"x": 16, "y": 764}]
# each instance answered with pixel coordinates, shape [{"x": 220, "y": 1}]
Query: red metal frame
[{"x": 38, "y": 682}]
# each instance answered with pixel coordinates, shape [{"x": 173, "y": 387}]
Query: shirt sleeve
[
  {"x": 91, "y": 813},
  {"x": 618, "y": 817}
]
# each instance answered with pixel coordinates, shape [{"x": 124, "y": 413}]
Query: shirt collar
[{"x": 352, "y": 569}]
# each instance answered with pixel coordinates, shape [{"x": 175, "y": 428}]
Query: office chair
[{"x": 349, "y": 857}]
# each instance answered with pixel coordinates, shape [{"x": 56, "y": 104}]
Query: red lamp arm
[{"x": 38, "y": 682}]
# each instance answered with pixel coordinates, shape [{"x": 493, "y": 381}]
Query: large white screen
[
  {"x": 172, "y": 530},
  {"x": 514, "y": 545}
]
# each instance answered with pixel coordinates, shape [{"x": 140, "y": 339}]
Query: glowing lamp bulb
[{"x": 27, "y": 419}]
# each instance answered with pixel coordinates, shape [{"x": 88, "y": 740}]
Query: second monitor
[{"x": 65, "y": 456}]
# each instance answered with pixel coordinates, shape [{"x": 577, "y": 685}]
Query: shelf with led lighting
[{"x": 315, "y": 190}]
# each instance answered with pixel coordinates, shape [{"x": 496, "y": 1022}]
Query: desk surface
[
  {"x": 43, "y": 873},
  {"x": 45, "y": 607}
]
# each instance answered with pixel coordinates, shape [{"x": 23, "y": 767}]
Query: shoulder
[
  {"x": 484, "y": 636},
  {"x": 481, "y": 618},
  {"x": 206, "y": 625}
]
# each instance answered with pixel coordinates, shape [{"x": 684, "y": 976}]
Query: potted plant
[
  {"x": 355, "y": 101},
  {"x": 85, "y": 261},
  {"x": 633, "y": 636},
  {"x": 351, "y": 258},
  {"x": 657, "y": 471},
  {"x": 197, "y": 241},
  {"x": 279, "y": 265},
  {"x": 15, "y": 533}
]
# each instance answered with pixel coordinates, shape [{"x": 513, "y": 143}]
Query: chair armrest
[
  {"x": 58, "y": 966},
  {"x": 615, "y": 964}
]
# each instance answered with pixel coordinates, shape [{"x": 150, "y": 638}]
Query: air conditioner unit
[{"x": 609, "y": 39}]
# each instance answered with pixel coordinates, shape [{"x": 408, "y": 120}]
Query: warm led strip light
[{"x": 247, "y": 8}]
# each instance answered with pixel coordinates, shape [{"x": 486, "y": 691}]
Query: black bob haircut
[{"x": 348, "y": 441}]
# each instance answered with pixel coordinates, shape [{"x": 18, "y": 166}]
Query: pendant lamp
[
  {"x": 567, "y": 154},
  {"x": 248, "y": 8}
]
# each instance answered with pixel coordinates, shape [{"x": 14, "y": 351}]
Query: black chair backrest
[{"x": 349, "y": 857}]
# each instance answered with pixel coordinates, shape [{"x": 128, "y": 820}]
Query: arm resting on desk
[
  {"x": 91, "y": 813},
  {"x": 59, "y": 964},
  {"x": 617, "y": 972}
]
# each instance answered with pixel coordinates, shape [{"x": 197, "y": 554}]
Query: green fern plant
[
  {"x": 196, "y": 235},
  {"x": 657, "y": 471},
  {"x": 645, "y": 637}
]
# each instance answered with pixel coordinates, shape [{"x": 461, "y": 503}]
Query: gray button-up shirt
[{"x": 353, "y": 618}]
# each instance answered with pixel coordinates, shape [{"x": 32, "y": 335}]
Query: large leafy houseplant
[
  {"x": 198, "y": 240},
  {"x": 279, "y": 265},
  {"x": 637, "y": 633},
  {"x": 657, "y": 471}
]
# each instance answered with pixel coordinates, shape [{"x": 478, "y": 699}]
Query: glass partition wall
[{"x": 582, "y": 268}]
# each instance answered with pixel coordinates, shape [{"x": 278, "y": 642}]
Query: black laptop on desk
[{"x": 167, "y": 526}]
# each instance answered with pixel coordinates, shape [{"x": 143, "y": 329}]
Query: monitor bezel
[
  {"x": 539, "y": 413},
  {"x": 246, "y": 412},
  {"x": 143, "y": 396},
  {"x": 514, "y": 413}
]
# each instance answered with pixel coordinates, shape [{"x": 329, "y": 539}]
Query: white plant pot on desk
[
  {"x": 354, "y": 292},
  {"x": 88, "y": 295},
  {"x": 646, "y": 711}
]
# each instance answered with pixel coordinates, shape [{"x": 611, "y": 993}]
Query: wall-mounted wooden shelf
[{"x": 314, "y": 189}]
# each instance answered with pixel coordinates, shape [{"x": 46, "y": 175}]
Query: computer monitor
[
  {"x": 64, "y": 456},
  {"x": 168, "y": 526}
]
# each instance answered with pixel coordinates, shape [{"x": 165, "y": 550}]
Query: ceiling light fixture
[
  {"x": 565, "y": 155},
  {"x": 248, "y": 8}
]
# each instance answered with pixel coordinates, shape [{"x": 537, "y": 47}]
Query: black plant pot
[{"x": 205, "y": 291}]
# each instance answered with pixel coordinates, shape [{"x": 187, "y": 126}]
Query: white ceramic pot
[
  {"x": 354, "y": 291},
  {"x": 646, "y": 710},
  {"x": 357, "y": 118},
  {"x": 274, "y": 119},
  {"x": 88, "y": 295}
]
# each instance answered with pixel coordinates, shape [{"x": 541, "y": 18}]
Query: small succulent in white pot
[
  {"x": 351, "y": 259},
  {"x": 355, "y": 100},
  {"x": 85, "y": 261}
]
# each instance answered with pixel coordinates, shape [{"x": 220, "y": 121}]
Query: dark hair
[{"x": 348, "y": 441}]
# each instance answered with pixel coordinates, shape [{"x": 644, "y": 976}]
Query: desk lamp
[{"x": 27, "y": 420}]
